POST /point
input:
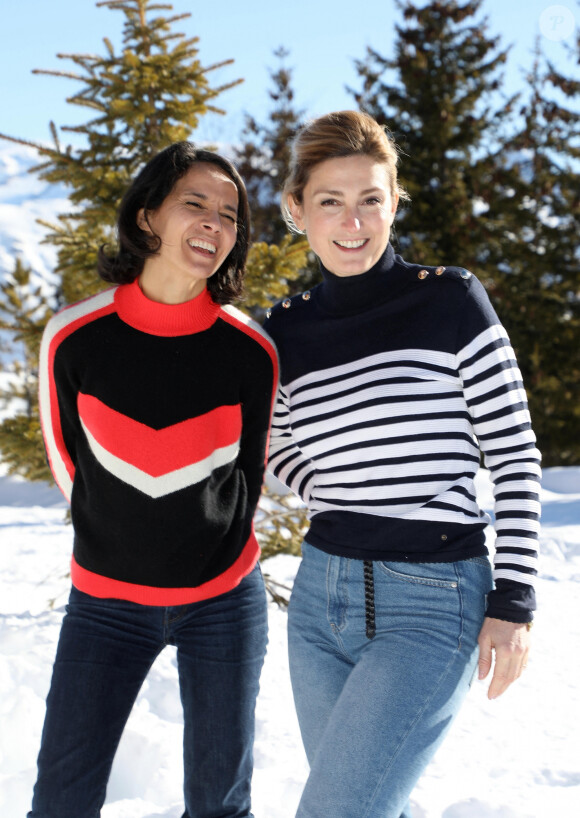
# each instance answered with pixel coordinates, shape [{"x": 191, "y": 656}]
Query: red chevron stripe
[{"x": 160, "y": 451}]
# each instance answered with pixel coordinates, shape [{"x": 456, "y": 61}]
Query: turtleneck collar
[
  {"x": 345, "y": 295},
  {"x": 135, "y": 309}
]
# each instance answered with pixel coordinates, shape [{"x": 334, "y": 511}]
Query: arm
[
  {"x": 498, "y": 406},
  {"x": 57, "y": 407},
  {"x": 285, "y": 460}
]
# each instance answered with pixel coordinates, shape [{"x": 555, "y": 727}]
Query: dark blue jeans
[{"x": 105, "y": 651}]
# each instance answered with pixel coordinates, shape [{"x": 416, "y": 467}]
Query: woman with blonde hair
[{"x": 395, "y": 377}]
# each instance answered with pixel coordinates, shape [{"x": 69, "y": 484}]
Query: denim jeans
[
  {"x": 372, "y": 712},
  {"x": 105, "y": 651}
]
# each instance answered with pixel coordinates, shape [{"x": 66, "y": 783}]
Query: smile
[
  {"x": 352, "y": 245},
  {"x": 200, "y": 244}
]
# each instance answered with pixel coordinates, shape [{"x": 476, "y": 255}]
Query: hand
[{"x": 511, "y": 642}]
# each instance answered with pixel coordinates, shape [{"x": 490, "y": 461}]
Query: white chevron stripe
[{"x": 167, "y": 483}]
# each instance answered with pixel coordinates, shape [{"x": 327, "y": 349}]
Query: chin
[{"x": 352, "y": 270}]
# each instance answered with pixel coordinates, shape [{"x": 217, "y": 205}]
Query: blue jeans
[
  {"x": 372, "y": 712},
  {"x": 105, "y": 651}
]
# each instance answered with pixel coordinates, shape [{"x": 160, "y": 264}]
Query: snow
[
  {"x": 24, "y": 198},
  {"x": 515, "y": 757}
]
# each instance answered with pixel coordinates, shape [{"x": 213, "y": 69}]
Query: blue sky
[{"x": 324, "y": 38}]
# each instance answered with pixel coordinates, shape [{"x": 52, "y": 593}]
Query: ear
[
  {"x": 394, "y": 203},
  {"x": 295, "y": 211},
  {"x": 142, "y": 221}
]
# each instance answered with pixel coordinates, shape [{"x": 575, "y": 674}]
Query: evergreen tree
[
  {"x": 535, "y": 278},
  {"x": 24, "y": 312},
  {"x": 142, "y": 99},
  {"x": 264, "y": 160},
  {"x": 264, "y": 156},
  {"x": 438, "y": 106},
  {"x": 149, "y": 95}
]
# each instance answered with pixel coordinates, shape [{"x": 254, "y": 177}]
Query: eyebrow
[
  {"x": 204, "y": 197},
  {"x": 340, "y": 192}
]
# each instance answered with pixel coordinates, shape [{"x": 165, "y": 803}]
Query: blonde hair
[{"x": 334, "y": 135}]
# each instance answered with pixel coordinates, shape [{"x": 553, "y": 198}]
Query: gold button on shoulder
[
  {"x": 465, "y": 274},
  {"x": 439, "y": 271},
  {"x": 444, "y": 537},
  {"x": 306, "y": 295},
  {"x": 286, "y": 303},
  {"x": 268, "y": 312},
  {"x": 423, "y": 274}
]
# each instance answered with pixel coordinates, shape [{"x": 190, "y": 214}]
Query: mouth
[
  {"x": 206, "y": 247},
  {"x": 351, "y": 245}
]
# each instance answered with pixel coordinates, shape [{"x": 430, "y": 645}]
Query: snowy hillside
[
  {"x": 515, "y": 757},
  {"x": 24, "y": 198}
]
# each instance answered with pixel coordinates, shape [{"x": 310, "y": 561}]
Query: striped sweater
[
  {"x": 155, "y": 420},
  {"x": 393, "y": 383}
]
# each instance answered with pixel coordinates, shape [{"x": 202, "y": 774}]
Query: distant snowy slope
[{"x": 24, "y": 198}]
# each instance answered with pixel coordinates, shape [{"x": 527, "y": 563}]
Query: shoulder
[
  {"x": 292, "y": 303},
  {"x": 70, "y": 318},
  {"x": 248, "y": 328},
  {"x": 453, "y": 282},
  {"x": 289, "y": 315},
  {"x": 438, "y": 273}
]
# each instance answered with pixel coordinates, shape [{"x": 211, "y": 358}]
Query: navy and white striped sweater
[{"x": 392, "y": 383}]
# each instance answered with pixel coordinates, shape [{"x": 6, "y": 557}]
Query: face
[
  {"x": 197, "y": 225},
  {"x": 347, "y": 213}
]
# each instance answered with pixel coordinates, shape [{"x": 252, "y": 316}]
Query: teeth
[
  {"x": 204, "y": 245},
  {"x": 351, "y": 244}
]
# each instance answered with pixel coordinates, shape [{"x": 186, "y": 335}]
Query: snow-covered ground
[{"x": 515, "y": 757}]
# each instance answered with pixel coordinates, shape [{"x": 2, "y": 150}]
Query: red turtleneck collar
[{"x": 135, "y": 309}]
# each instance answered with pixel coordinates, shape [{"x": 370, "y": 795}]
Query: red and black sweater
[{"x": 155, "y": 420}]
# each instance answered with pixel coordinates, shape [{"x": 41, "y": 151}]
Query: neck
[
  {"x": 162, "y": 318},
  {"x": 350, "y": 294},
  {"x": 165, "y": 290}
]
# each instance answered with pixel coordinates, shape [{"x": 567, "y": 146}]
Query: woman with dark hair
[
  {"x": 155, "y": 399},
  {"x": 395, "y": 377}
]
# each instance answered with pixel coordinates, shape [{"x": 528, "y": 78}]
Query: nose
[
  {"x": 351, "y": 221},
  {"x": 212, "y": 220}
]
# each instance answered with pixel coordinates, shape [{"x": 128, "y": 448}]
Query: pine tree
[
  {"x": 24, "y": 312},
  {"x": 264, "y": 157},
  {"x": 444, "y": 74},
  {"x": 149, "y": 95},
  {"x": 264, "y": 161},
  {"x": 536, "y": 262},
  {"x": 142, "y": 99}
]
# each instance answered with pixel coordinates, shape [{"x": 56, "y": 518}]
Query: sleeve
[
  {"x": 497, "y": 402},
  {"x": 58, "y": 406},
  {"x": 285, "y": 460},
  {"x": 258, "y": 402}
]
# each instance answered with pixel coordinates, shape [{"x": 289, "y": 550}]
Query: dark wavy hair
[{"x": 149, "y": 190}]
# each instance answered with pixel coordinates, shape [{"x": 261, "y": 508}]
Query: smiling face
[
  {"x": 347, "y": 211},
  {"x": 197, "y": 225}
]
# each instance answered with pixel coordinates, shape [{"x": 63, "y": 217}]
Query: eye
[
  {"x": 328, "y": 202},
  {"x": 230, "y": 217},
  {"x": 195, "y": 204},
  {"x": 373, "y": 200}
]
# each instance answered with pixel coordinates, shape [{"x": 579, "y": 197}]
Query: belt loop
[{"x": 369, "y": 599}]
